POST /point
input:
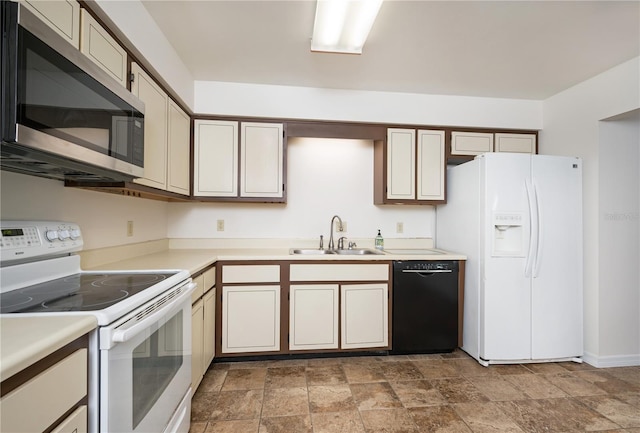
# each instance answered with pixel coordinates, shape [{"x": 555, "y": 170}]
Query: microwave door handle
[{"x": 124, "y": 335}]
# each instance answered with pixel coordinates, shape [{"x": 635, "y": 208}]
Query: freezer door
[
  {"x": 505, "y": 304},
  {"x": 556, "y": 295}
]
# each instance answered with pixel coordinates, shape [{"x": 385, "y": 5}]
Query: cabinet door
[
  {"x": 178, "y": 161},
  {"x": 517, "y": 143},
  {"x": 74, "y": 423},
  {"x": 197, "y": 359},
  {"x": 216, "y": 158},
  {"x": 431, "y": 165},
  {"x": 401, "y": 164},
  {"x": 156, "y": 104},
  {"x": 262, "y": 160},
  {"x": 471, "y": 143},
  {"x": 365, "y": 315},
  {"x": 209, "y": 327},
  {"x": 250, "y": 319},
  {"x": 313, "y": 316},
  {"x": 100, "y": 47},
  {"x": 63, "y": 16}
]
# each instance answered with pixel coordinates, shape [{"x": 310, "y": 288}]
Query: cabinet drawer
[
  {"x": 209, "y": 279},
  {"x": 339, "y": 272},
  {"x": 38, "y": 403},
  {"x": 74, "y": 423},
  {"x": 199, "y": 290},
  {"x": 251, "y": 274},
  {"x": 471, "y": 143}
]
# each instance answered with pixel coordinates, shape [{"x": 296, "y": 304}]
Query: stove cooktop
[{"x": 85, "y": 291}]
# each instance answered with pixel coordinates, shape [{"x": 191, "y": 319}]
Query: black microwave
[{"x": 62, "y": 116}]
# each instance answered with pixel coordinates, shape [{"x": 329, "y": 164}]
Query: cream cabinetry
[
  {"x": 239, "y": 160},
  {"x": 518, "y": 143},
  {"x": 40, "y": 401},
  {"x": 313, "y": 316},
  {"x": 156, "y": 104},
  {"x": 414, "y": 169},
  {"x": 365, "y": 315},
  {"x": 471, "y": 143},
  {"x": 63, "y": 16},
  {"x": 99, "y": 46},
  {"x": 250, "y": 308},
  {"x": 202, "y": 325},
  {"x": 166, "y": 136},
  {"x": 364, "y": 306}
]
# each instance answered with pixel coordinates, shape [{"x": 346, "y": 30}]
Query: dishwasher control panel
[{"x": 429, "y": 265}]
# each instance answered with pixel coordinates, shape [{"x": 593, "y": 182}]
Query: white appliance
[
  {"x": 140, "y": 355},
  {"x": 518, "y": 218}
]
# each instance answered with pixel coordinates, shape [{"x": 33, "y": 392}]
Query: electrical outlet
[
  {"x": 343, "y": 227},
  {"x": 399, "y": 227},
  {"x": 129, "y": 228},
  {"x": 220, "y": 225}
]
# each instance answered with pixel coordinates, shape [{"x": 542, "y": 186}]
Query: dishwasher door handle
[{"x": 435, "y": 271}]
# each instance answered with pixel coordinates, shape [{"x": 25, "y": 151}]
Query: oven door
[{"x": 145, "y": 367}]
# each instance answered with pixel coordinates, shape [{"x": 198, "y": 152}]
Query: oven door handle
[{"x": 124, "y": 335}]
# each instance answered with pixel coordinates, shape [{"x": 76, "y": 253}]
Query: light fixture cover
[{"x": 342, "y": 26}]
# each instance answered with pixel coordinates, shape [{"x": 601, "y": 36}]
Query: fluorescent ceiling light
[{"x": 342, "y": 26}]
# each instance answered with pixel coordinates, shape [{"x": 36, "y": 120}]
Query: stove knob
[
  {"x": 63, "y": 234},
  {"x": 52, "y": 235},
  {"x": 74, "y": 234}
]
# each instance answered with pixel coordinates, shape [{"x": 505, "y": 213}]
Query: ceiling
[{"x": 501, "y": 49}]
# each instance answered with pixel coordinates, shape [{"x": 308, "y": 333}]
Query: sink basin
[
  {"x": 358, "y": 251},
  {"x": 309, "y": 251}
]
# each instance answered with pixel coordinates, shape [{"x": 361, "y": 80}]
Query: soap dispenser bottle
[{"x": 379, "y": 241}]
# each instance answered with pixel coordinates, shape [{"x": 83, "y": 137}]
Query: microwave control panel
[{"x": 20, "y": 240}]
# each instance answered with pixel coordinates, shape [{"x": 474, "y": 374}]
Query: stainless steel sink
[
  {"x": 358, "y": 251},
  {"x": 309, "y": 251}
]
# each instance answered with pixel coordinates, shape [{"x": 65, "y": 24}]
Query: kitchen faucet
[{"x": 331, "y": 244}]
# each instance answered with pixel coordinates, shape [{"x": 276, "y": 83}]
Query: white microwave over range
[{"x": 140, "y": 354}]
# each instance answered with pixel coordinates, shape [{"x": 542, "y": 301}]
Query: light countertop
[
  {"x": 26, "y": 340},
  {"x": 195, "y": 260}
]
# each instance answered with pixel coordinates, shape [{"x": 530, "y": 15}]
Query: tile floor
[{"x": 417, "y": 393}]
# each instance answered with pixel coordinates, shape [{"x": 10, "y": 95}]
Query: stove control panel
[{"x": 21, "y": 240}]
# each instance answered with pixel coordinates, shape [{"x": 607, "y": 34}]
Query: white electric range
[{"x": 140, "y": 355}]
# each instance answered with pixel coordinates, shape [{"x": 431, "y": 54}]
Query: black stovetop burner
[{"x": 86, "y": 291}]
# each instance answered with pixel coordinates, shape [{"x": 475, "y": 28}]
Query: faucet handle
[
  {"x": 341, "y": 243},
  {"x": 352, "y": 245},
  {"x": 321, "y": 243}
]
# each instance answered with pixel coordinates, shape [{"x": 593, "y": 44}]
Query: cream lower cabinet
[
  {"x": 250, "y": 308},
  {"x": 38, "y": 404},
  {"x": 364, "y": 307},
  {"x": 365, "y": 315},
  {"x": 202, "y": 325},
  {"x": 251, "y": 319},
  {"x": 313, "y": 316}
]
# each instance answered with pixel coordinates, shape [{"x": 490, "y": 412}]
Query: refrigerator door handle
[
  {"x": 533, "y": 230},
  {"x": 538, "y": 256}
]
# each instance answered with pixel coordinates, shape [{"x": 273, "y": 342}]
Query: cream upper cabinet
[
  {"x": 100, "y": 47},
  {"x": 471, "y": 143},
  {"x": 401, "y": 164},
  {"x": 262, "y": 160},
  {"x": 518, "y": 143},
  {"x": 179, "y": 139},
  {"x": 215, "y": 158},
  {"x": 364, "y": 315},
  {"x": 156, "y": 104},
  {"x": 238, "y": 160},
  {"x": 415, "y": 167},
  {"x": 63, "y": 16},
  {"x": 313, "y": 316},
  {"x": 431, "y": 165}
]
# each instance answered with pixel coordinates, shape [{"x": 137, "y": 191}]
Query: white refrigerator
[{"x": 518, "y": 219}]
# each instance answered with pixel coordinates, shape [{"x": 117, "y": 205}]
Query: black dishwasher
[{"x": 425, "y": 306}]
